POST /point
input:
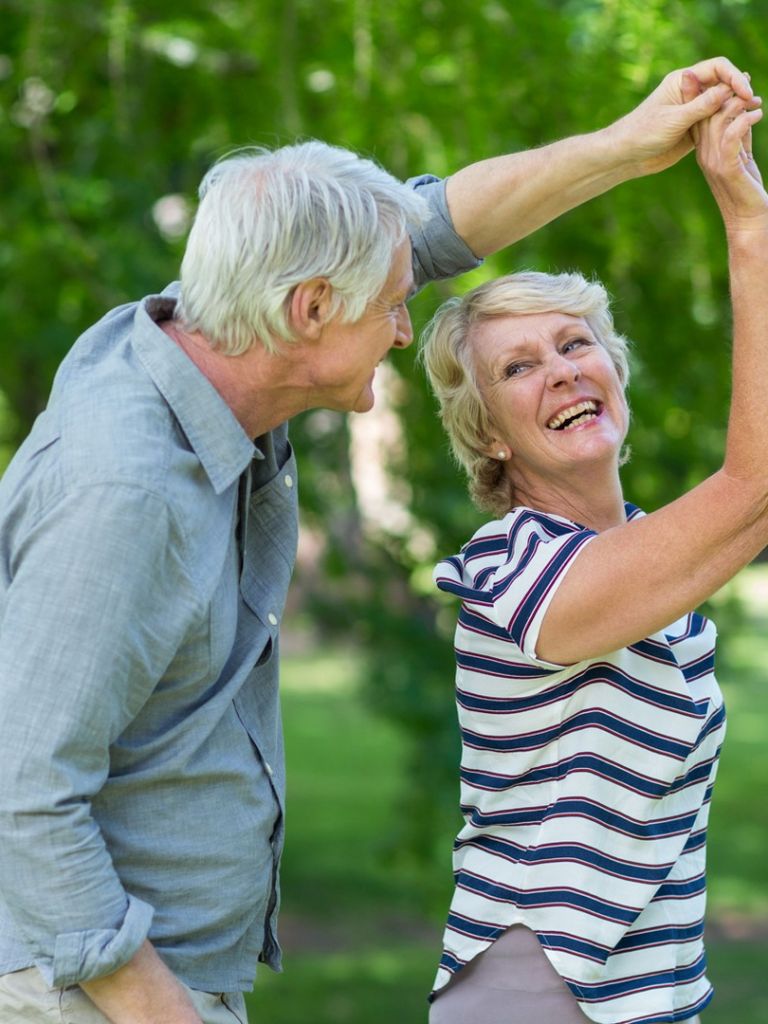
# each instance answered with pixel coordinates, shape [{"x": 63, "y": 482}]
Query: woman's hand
[{"x": 724, "y": 153}]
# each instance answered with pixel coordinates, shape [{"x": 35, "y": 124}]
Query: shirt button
[
  {"x": 288, "y": 480},
  {"x": 272, "y": 619},
  {"x": 268, "y": 769}
]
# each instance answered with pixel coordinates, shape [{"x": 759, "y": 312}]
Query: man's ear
[{"x": 309, "y": 307}]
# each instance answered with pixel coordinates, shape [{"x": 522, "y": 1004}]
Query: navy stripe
[
  {"x": 598, "y": 672},
  {"x": 649, "y": 937},
  {"x": 653, "y": 650},
  {"x": 592, "y": 718},
  {"x": 477, "y": 624},
  {"x": 697, "y": 841},
  {"x": 684, "y": 1013},
  {"x": 713, "y": 724},
  {"x": 574, "y": 807},
  {"x": 702, "y": 666},
  {"x": 451, "y": 963},
  {"x": 496, "y": 667},
  {"x": 681, "y": 889},
  {"x": 549, "y": 897},
  {"x": 642, "y": 982},
  {"x": 695, "y": 626},
  {"x": 576, "y": 853},
  {"x": 578, "y": 947},
  {"x": 586, "y": 763},
  {"x": 493, "y": 544},
  {"x": 476, "y": 929},
  {"x": 464, "y": 592}
]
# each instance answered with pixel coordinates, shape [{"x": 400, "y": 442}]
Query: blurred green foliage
[{"x": 110, "y": 113}]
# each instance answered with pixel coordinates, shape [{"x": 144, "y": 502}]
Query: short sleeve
[
  {"x": 523, "y": 590},
  {"x": 438, "y": 251},
  {"x": 510, "y": 577}
]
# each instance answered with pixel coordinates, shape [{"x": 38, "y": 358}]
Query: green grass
[
  {"x": 737, "y": 856},
  {"x": 360, "y": 945}
]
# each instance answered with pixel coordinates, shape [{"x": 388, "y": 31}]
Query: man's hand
[
  {"x": 657, "y": 133},
  {"x": 144, "y": 991}
]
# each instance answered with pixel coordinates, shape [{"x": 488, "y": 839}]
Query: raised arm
[
  {"x": 634, "y": 580},
  {"x": 495, "y": 202}
]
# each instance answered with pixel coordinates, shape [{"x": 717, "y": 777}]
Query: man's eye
[{"x": 514, "y": 369}]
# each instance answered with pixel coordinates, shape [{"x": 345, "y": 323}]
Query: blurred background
[{"x": 110, "y": 112}]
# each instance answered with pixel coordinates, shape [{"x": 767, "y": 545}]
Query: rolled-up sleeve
[
  {"x": 438, "y": 251},
  {"x": 98, "y": 603}
]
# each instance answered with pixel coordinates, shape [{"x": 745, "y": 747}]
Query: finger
[
  {"x": 737, "y": 132},
  {"x": 730, "y": 109},
  {"x": 690, "y": 86},
  {"x": 720, "y": 69},
  {"x": 706, "y": 103}
]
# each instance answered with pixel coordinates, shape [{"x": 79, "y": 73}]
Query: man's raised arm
[{"x": 498, "y": 201}]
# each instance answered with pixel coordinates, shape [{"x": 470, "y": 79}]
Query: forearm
[
  {"x": 144, "y": 991},
  {"x": 747, "y": 442},
  {"x": 496, "y": 202}
]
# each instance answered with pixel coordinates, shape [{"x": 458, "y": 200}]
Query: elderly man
[{"x": 148, "y": 536}]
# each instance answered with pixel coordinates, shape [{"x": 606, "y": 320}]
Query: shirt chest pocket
[{"x": 269, "y": 542}]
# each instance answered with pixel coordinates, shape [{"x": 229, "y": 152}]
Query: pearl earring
[{"x": 501, "y": 455}]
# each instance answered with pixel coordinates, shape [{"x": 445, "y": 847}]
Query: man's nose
[{"x": 404, "y": 335}]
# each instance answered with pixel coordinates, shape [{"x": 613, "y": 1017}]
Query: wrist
[
  {"x": 620, "y": 149},
  {"x": 612, "y": 147},
  {"x": 746, "y": 233}
]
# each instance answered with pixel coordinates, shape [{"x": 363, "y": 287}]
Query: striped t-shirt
[{"x": 585, "y": 789}]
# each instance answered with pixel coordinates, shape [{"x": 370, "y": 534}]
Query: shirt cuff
[
  {"x": 438, "y": 251},
  {"x": 81, "y": 956}
]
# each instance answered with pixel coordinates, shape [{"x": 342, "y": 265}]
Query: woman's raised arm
[{"x": 634, "y": 580}]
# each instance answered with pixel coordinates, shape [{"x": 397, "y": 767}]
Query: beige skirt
[{"x": 512, "y": 982}]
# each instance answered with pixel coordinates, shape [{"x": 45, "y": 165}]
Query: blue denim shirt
[{"x": 146, "y": 546}]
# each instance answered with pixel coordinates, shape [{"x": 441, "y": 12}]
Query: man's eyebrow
[{"x": 404, "y": 292}]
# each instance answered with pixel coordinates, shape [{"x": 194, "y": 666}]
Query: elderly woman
[{"x": 590, "y": 717}]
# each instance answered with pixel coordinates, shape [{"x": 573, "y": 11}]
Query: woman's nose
[{"x": 562, "y": 370}]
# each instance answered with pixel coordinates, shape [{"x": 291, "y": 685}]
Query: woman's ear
[
  {"x": 496, "y": 449},
  {"x": 309, "y": 307}
]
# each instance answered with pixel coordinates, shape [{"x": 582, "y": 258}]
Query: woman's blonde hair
[{"x": 447, "y": 356}]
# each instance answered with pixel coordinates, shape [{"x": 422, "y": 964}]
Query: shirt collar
[{"x": 217, "y": 438}]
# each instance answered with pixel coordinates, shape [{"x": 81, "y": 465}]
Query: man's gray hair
[
  {"x": 449, "y": 361},
  {"x": 270, "y": 219}
]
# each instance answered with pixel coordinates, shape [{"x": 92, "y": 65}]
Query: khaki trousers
[
  {"x": 26, "y": 999},
  {"x": 512, "y": 982}
]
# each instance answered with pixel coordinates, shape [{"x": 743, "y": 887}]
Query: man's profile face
[{"x": 349, "y": 353}]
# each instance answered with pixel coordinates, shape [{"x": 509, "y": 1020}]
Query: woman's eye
[
  {"x": 514, "y": 369},
  {"x": 575, "y": 343}
]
